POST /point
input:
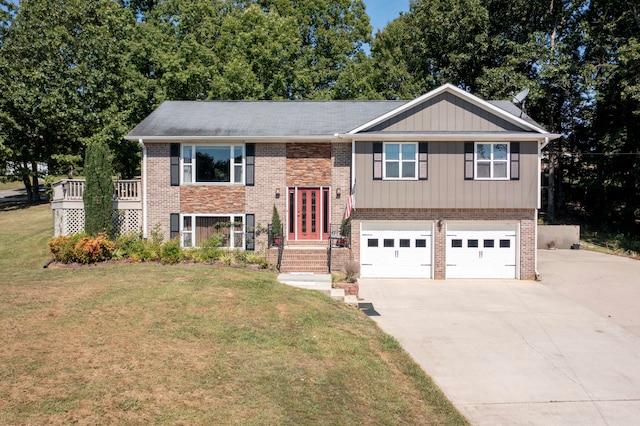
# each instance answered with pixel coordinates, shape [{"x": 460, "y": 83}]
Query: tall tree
[
  {"x": 611, "y": 152},
  {"x": 98, "y": 190},
  {"x": 252, "y": 49},
  {"x": 61, "y": 74},
  {"x": 332, "y": 33},
  {"x": 257, "y": 53},
  {"x": 392, "y": 77}
]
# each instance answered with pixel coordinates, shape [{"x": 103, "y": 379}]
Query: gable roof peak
[{"x": 523, "y": 123}]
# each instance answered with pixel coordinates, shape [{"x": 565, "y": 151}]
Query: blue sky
[{"x": 382, "y": 12}]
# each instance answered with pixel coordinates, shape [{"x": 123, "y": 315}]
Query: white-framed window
[
  {"x": 400, "y": 160},
  {"x": 197, "y": 229},
  {"x": 491, "y": 160},
  {"x": 213, "y": 163}
]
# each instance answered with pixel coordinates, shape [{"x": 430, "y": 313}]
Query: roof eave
[
  {"x": 244, "y": 138},
  {"x": 448, "y": 137},
  {"x": 341, "y": 137}
]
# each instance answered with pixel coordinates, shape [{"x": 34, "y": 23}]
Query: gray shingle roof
[
  {"x": 259, "y": 118},
  {"x": 512, "y": 109},
  {"x": 271, "y": 119}
]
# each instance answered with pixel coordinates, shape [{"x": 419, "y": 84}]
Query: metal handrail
[{"x": 271, "y": 241}]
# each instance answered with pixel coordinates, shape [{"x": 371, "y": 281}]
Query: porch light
[
  {"x": 439, "y": 223},
  {"x": 338, "y": 192},
  {"x": 277, "y": 192}
]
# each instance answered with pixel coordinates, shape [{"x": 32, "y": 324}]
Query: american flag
[{"x": 347, "y": 212}]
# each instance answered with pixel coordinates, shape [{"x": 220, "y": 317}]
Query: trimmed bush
[
  {"x": 133, "y": 247},
  {"x": 254, "y": 258},
  {"x": 94, "y": 249},
  {"x": 171, "y": 252},
  {"x": 210, "y": 249},
  {"x": 63, "y": 248}
]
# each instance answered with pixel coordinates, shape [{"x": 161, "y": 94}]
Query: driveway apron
[{"x": 513, "y": 352}]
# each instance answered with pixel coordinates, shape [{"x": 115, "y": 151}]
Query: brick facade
[
  {"x": 270, "y": 163},
  {"x": 162, "y": 198},
  {"x": 340, "y": 178},
  {"x": 525, "y": 217}
]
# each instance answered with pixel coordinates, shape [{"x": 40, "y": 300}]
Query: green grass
[
  {"x": 153, "y": 344},
  {"x": 611, "y": 243},
  {"x": 11, "y": 184}
]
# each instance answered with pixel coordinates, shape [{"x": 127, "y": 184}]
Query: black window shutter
[
  {"x": 468, "y": 160},
  {"x": 423, "y": 160},
  {"x": 174, "y": 225},
  {"x": 251, "y": 232},
  {"x": 175, "y": 164},
  {"x": 515, "y": 160},
  {"x": 250, "y": 161},
  {"x": 377, "y": 161}
]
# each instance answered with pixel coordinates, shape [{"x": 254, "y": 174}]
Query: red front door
[
  {"x": 308, "y": 213},
  {"x": 308, "y": 210}
]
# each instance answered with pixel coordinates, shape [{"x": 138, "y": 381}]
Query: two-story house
[{"x": 445, "y": 186}]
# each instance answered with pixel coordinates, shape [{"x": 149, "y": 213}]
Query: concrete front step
[
  {"x": 310, "y": 281},
  {"x": 319, "y": 282}
]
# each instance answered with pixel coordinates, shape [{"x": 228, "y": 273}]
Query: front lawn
[{"x": 153, "y": 344}]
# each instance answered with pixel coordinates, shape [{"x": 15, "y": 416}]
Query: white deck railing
[
  {"x": 127, "y": 190},
  {"x": 72, "y": 190}
]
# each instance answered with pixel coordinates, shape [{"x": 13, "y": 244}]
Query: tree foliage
[
  {"x": 611, "y": 146},
  {"x": 62, "y": 79}
]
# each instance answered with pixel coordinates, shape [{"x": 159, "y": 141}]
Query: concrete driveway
[{"x": 525, "y": 353}]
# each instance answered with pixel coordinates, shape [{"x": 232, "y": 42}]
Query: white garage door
[
  {"x": 481, "y": 251},
  {"x": 395, "y": 250}
]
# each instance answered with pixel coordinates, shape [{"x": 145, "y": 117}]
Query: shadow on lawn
[{"x": 18, "y": 203}]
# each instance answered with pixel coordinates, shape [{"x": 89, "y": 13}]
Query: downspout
[
  {"x": 353, "y": 169},
  {"x": 353, "y": 205},
  {"x": 538, "y": 207},
  {"x": 144, "y": 188}
]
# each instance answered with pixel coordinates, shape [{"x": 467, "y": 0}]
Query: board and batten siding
[
  {"x": 446, "y": 186},
  {"x": 447, "y": 113}
]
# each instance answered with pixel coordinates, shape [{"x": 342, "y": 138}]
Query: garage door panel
[
  {"x": 392, "y": 250},
  {"x": 481, "y": 251}
]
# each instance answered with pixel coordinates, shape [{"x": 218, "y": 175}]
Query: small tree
[
  {"x": 276, "y": 223},
  {"x": 98, "y": 191}
]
